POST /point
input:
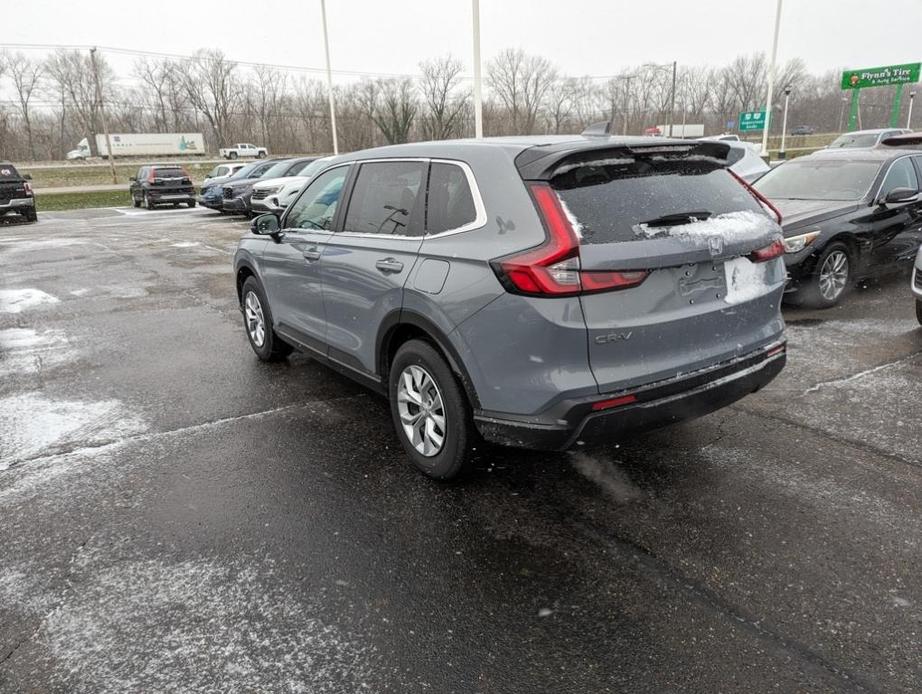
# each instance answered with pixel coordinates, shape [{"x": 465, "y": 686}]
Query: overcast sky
[{"x": 582, "y": 37}]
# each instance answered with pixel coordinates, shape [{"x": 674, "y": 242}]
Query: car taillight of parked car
[{"x": 553, "y": 268}]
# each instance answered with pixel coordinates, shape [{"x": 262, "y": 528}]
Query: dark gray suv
[{"x": 538, "y": 292}]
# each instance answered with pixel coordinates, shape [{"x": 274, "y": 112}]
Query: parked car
[
  {"x": 16, "y": 194},
  {"x": 802, "y": 130},
  {"x": 157, "y": 184},
  {"x": 917, "y": 285},
  {"x": 274, "y": 195},
  {"x": 222, "y": 172},
  {"x": 726, "y": 137},
  {"x": 243, "y": 150},
  {"x": 847, "y": 214},
  {"x": 237, "y": 193},
  {"x": 862, "y": 139},
  {"x": 745, "y": 160},
  {"x": 539, "y": 292},
  {"x": 212, "y": 194}
]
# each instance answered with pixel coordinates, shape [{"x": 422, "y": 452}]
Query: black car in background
[
  {"x": 212, "y": 194},
  {"x": 161, "y": 184},
  {"x": 846, "y": 214},
  {"x": 237, "y": 192},
  {"x": 802, "y": 130},
  {"x": 16, "y": 196}
]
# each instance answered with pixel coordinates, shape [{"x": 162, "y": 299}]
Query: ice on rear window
[
  {"x": 732, "y": 226},
  {"x": 610, "y": 200}
]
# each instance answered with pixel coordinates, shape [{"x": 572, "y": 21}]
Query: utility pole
[
  {"x": 326, "y": 49},
  {"x": 784, "y": 121},
  {"x": 842, "y": 113},
  {"x": 771, "y": 82},
  {"x": 102, "y": 113},
  {"x": 478, "y": 94},
  {"x": 672, "y": 97},
  {"x": 912, "y": 96},
  {"x": 627, "y": 102}
]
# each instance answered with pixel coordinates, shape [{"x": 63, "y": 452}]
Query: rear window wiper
[{"x": 671, "y": 220}]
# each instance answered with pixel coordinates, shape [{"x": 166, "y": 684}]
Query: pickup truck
[
  {"x": 242, "y": 150},
  {"x": 16, "y": 194}
]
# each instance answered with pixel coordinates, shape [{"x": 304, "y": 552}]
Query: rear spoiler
[
  {"x": 542, "y": 162},
  {"x": 905, "y": 140}
]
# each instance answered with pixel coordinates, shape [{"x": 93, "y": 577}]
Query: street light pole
[
  {"x": 326, "y": 48},
  {"x": 478, "y": 94},
  {"x": 627, "y": 102},
  {"x": 784, "y": 121},
  {"x": 842, "y": 113},
  {"x": 672, "y": 98},
  {"x": 771, "y": 81},
  {"x": 912, "y": 96}
]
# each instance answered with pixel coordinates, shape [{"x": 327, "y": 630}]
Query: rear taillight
[
  {"x": 773, "y": 250},
  {"x": 553, "y": 268},
  {"x": 27, "y": 187},
  {"x": 761, "y": 199}
]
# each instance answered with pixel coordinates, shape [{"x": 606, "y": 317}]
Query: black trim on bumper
[{"x": 658, "y": 404}]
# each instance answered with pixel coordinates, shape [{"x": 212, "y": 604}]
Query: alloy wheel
[
  {"x": 834, "y": 275},
  {"x": 256, "y": 323},
  {"x": 421, "y": 410}
]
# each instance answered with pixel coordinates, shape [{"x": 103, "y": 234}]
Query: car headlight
[{"x": 795, "y": 244}]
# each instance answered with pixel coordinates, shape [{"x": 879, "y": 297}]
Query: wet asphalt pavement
[{"x": 177, "y": 516}]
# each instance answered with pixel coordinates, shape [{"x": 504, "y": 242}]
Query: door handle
[
  {"x": 389, "y": 265},
  {"x": 312, "y": 254}
]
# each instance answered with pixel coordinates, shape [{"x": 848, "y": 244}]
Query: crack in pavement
[{"x": 860, "y": 374}]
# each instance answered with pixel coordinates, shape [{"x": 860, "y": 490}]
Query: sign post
[{"x": 855, "y": 80}]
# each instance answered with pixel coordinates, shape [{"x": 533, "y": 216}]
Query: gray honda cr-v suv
[{"x": 536, "y": 291}]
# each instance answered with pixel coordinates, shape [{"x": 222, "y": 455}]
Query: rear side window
[
  {"x": 611, "y": 199},
  {"x": 902, "y": 174},
  {"x": 451, "y": 204},
  {"x": 386, "y": 199}
]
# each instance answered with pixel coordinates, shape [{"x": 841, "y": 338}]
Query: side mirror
[
  {"x": 900, "y": 195},
  {"x": 265, "y": 225}
]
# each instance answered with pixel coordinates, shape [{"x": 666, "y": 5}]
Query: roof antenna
[{"x": 602, "y": 129}]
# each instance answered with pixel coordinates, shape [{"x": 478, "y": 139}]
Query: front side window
[
  {"x": 387, "y": 199},
  {"x": 450, "y": 202},
  {"x": 902, "y": 174},
  {"x": 316, "y": 209}
]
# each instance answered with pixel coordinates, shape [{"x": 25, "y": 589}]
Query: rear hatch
[
  {"x": 684, "y": 259},
  {"x": 12, "y": 184},
  {"x": 171, "y": 181}
]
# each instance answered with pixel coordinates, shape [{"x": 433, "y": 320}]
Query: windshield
[
  {"x": 803, "y": 179},
  {"x": 278, "y": 170},
  {"x": 613, "y": 199},
  {"x": 854, "y": 140}
]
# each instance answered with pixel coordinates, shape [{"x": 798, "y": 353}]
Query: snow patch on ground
[
  {"x": 19, "y": 300},
  {"x": 32, "y": 425},
  {"x": 23, "y": 350},
  {"x": 612, "y": 480},
  {"x": 197, "y": 625},
  {"x": 185, "y": 244},
  {"x": 31, "y": 245}
]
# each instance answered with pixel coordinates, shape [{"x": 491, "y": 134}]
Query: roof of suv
[{"x": 860, "y": 154}]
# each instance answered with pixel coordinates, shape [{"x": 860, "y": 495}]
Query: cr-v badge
[{"x": 612, "y": 337}]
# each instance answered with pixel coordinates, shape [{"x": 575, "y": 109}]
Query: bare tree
[
  {"x": 520, "y": 81},
  {"x": 72, "y": 74},
  {"x": 443, "y": 103},
  {"x": 392, "y": 105},
  {"x": 211, "y": 83}
]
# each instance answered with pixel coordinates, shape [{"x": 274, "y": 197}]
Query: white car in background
[
  {"x": 275, "y": 194},
  {"x": 917, "y": 285},
  {"x": 222, "y": 172},
  {"x": 745, "y": 160}
]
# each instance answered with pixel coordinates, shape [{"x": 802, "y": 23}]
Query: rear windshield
[
  {"x": 8, "y": 172},
  {"x": 806, "y": 179},
  {"x": 854, "y": 141},
  {"x": 169, "y": 172},
  {"x": 611, "y": 199}
]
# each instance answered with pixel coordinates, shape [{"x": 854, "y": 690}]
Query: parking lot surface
[{"x": 178, "y": 516}]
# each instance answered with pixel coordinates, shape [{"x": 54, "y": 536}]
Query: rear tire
[
  {"x": 832, "y": 279},
  {"x": 191, "y": 204},
  {"x": 427, "y": 399},
  {"x": 135, "y": 201},
  {"x": 257, "y": 321},
  {"x": 147, "y": 204},
  {"x": 232, "y": 155},
  {"x": 32, "y": 215},
  {"x": 919, "y": 311}
]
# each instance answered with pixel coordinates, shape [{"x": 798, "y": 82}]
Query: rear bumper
[
  {"x": 17, "y": 204},
  {"x": 657, "y": 404}
]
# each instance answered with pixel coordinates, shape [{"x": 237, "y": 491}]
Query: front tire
[
  {"x": 832, "y": 278},
  {"x": 232, "y": 155},
  {"x": 257, "y": 321},
  {"x": 430, "y": 412}
]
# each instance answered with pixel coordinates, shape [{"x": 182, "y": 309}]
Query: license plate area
[
  {"x": 702, "y": 281},
  {"x": 745, "y": 280}
]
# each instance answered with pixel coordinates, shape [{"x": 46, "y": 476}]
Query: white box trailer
[
  {"x": 679, "y": 130},
  {"x": 143, "y": 145}
]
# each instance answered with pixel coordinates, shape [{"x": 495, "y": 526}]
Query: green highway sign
[
  {"x": 752, "y": 120},
  {"x": 881, "y": 76}
]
